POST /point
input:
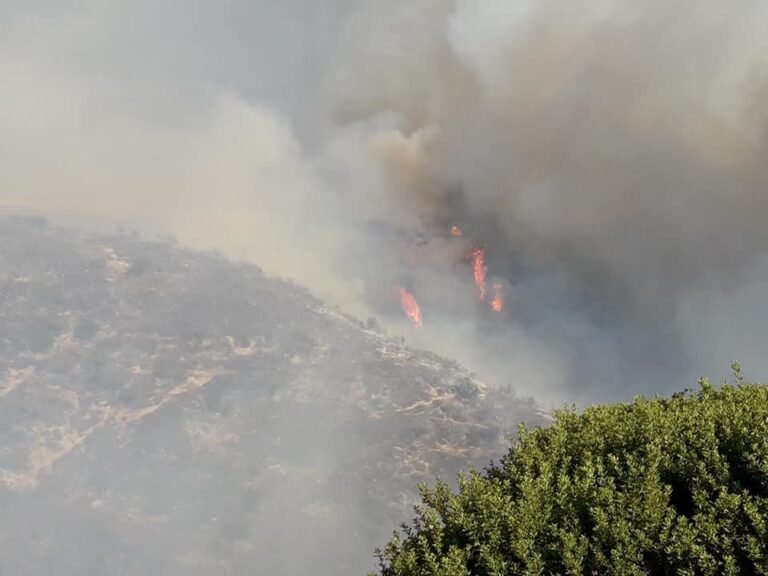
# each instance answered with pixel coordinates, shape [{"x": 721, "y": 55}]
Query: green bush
[{"x": 659, "y": 486}]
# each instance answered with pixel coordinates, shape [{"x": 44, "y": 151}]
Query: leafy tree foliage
[{"x": 659, "y": 486}]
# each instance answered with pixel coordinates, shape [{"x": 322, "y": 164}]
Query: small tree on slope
[{"x": 659, "y": 486}]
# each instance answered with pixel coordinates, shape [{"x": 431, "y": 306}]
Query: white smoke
[{"x": 610, "y": 155}]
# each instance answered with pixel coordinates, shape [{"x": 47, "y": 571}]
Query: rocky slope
[{"x": 170, "y": 412}]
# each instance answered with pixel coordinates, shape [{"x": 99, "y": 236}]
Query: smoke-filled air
[
  {"x": 569, "y": 199},
  {"x": 607, "y": 157}
]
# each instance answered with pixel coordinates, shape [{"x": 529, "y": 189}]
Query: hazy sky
[{"x": 610, "y": 154}]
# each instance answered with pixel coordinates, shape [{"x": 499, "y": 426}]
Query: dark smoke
[{"x": 610, "y": 156}]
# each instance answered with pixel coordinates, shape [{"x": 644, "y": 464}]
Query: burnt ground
[{"x": 164, "y": 411}]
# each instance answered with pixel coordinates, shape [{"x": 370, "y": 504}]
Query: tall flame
[
  {"x": 410, "y": 307},
  {"x": 478, "y": 264},
  {"x": 497, "y": 302}
]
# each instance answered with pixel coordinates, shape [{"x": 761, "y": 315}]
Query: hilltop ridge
[{"x": 163, "y": 410}]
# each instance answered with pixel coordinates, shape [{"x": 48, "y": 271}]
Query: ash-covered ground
[{"x": 167, "y": 412}]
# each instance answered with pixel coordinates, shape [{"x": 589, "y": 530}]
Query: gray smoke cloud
[{"x": 610, "y": 156}]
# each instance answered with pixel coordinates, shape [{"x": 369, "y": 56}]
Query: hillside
[{"x": 170, "y": 412}]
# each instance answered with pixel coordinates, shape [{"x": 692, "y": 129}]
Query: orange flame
[
  {"x": 456, "y": 231},
  {"x": 497, "y": 302},
  {"x": 478, "y": 265},
  {"x": 410, "y": 307}
]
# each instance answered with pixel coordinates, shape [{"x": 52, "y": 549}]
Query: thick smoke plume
[{"x": 610, "y": 156}]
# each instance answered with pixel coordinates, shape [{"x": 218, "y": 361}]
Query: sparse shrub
[
  {"x": 466, "y": 389},
  {"x": 659, "y": 486}
]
